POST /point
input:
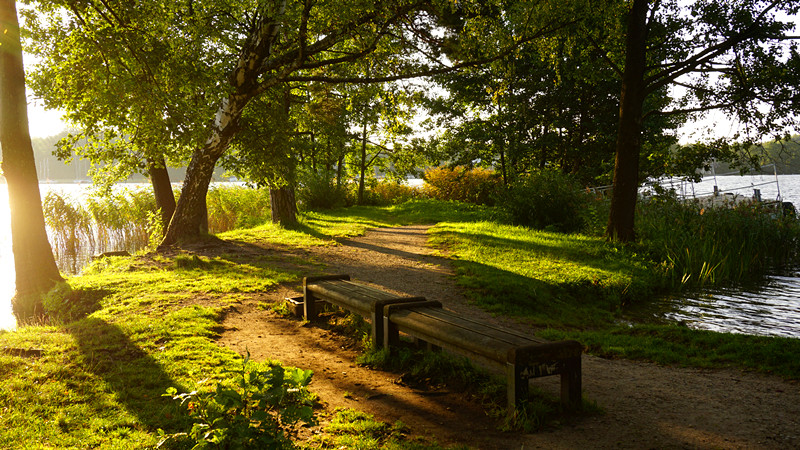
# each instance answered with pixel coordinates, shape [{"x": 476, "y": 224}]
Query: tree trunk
[
  {"x": 363, "y": 164},
  {"x": 283, "y": 206},
  {"x": 190, "y": 218},
  {"x": 36, "y": 270},
  {"x": 629, "y": 144},
  {"x": 190, "y": 212},
  {"x": 340, "y": 171},
  {"x": 162, "y": 189}
]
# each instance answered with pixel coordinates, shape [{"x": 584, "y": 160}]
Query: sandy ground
[{"x": 645, "y": 405}]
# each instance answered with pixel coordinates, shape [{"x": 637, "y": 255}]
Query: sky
[{"x": 41, "y": 122}]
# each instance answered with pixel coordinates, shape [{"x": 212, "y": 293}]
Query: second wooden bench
[{"x": 521, "y": 356}]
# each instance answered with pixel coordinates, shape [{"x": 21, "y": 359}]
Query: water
[
  {"x": 772, "y": 308},
  {"x": 67, "y": 264}
]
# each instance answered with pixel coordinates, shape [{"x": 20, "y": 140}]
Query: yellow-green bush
[
  {"x": 475, "y": 185},
  {"x": 389, "y": 193}
]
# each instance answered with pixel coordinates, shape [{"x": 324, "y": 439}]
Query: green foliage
[
  {"x": 547, "y": 199},
  {"x": 255, "y": 408},
  {"x": 384, "y": 193},
  {"x": 475, "y": 185},
  {"x": 231, "y": 207},
  {"x": 698, "y": 246},
  {"x": 64, "y": 304},
  {"x": 319, "y": 191}
]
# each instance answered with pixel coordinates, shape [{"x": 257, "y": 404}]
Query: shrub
[
  {"x": 392, "y": 193},
  {"x": 255, "y": 408},
  {"x": 476, "y": 185},
  {"x": 547, "y": 200},
  {"x": 319, "y": 191}
]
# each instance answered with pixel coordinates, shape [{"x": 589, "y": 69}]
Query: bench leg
[
  {"x": 517, "y": 387},
  {"x": 377, "y": 335},
  {"x": 571, "y": 384},
  {"x": 391, "y": 335},
  {"x": 309, "y": 305}
]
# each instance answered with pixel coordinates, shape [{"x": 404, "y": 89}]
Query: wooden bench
[
  {"x": 523, "y": 357},
  {"x": 357, "y": 298}
]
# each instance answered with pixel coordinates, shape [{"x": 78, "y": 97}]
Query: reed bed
[
  {"x": 70, "y": 225},
  {"x": 233, "y": 206},
  {"x": 127, "y": 219},
  {"x": 705, "y": 246},
  {"x": 121, "y": 219}
]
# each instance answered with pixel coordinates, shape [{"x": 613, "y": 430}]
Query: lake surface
[{"x": 772, "y": 308}]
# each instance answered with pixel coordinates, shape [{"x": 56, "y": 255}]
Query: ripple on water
[{"x": 770, "y": 310}]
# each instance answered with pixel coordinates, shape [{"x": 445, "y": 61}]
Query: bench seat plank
[{"x": 364, "y": 300}]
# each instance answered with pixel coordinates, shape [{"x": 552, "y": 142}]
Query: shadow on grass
[
  {"x": 503, "y": 292},
  {"x": 136, "y": 378}
]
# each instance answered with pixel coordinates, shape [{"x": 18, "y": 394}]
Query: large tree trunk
[
  {"x": 162, "y": 189},
  {"x": 629, "y": 144},
  {"x": 189, "y": 220},
  {"x": 36, "y": 270},
  {"x": 283, "y": 206}
]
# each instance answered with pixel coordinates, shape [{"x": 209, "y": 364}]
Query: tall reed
[
  {"x": 70, "y": 225},
  {"x": 233, "y": 206},
  {"x": 702, "y": 246},
  {"x": 121, "y": 218},
  {"x": 127, "y": 219}
]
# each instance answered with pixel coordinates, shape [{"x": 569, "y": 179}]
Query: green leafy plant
[
  {"x": 319, "y": 191},
  {"x": 256, "y": 408},
  {"x": 547, "y": 200}
]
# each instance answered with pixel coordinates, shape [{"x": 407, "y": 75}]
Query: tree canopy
[
  {"x": 178, "y": 76},
  {"x": 582, "y": 86}
]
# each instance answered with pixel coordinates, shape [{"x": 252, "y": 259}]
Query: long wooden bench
[
  {"x": 523, "y": 357},
  {"x": 364, "y": 300}
]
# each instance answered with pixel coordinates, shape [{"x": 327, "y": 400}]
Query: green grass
[
  {"x": 552, "y": 279},
  {"x": 139, "y": 325},
  {"x": 680, "y": 345}
]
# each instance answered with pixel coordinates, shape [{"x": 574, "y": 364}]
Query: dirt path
[{"x": 646, "y": 406}]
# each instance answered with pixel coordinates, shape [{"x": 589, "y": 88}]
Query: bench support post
[
  {"x": 571, "y": 384},
  {"x": 554, "y": 358},
  {"x": 309, "y": 302}
]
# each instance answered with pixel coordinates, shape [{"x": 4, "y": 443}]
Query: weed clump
[{"x": 257, "y": 407}]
